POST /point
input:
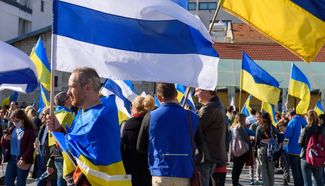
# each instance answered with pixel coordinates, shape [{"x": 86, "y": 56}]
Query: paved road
[{"x": 244, "y": 178}]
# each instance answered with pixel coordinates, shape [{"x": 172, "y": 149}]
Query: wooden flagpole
[{"x": 187, "y": 92}]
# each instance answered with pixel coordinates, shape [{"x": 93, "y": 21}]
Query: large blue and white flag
[
  {"x": 125, "y": 93},
  {"x": 17, "y": 71},
  {"x": 143, "y": 40}
]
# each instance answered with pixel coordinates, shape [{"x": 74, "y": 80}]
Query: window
[
  {"x": 42, "y": 6},
  {"x": 203, "y": 6},
  {"x": 208, "y": 5},
  {"x": 24, "y": 26},
  {"x": 191, "y": 6},
  {"x": 56, "y": 80}
]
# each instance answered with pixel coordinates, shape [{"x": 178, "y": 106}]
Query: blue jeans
[
  {"x": 12, "y": 171},
  {"x": 307, "y": 170},
  {"x": 294, "y": 162},
  {"x": 206, "y": 170},
  {"x": 59, "y": 168}
]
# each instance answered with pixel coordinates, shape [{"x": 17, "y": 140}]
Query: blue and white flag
[
  {"x": 125, "y": 93},
  {"x": 143, "y": 40},
  {"x": 17, "y": 71}
]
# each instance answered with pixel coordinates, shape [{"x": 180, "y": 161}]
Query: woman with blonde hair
[
  {"x": 307, "y": 169},
  {"x": 19, "y": 142},
  {"x": 136, "y": 163}
]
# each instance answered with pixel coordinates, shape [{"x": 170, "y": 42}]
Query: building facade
[{"x": 18, "y": 17}]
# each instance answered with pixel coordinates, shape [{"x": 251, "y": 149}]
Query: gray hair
[{"x": 88, "y": 75}]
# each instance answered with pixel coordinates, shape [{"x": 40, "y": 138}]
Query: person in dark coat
[{"x": 135, "y": 162}]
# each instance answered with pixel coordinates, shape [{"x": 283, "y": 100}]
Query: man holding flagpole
[{"x": 94, "y": 137}]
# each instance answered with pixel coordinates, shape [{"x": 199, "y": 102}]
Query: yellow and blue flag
[
  {"x": 298, "y": 25},
  {"x": 69, "y": 164},
  {"x": 257, "y": 82},
  {"x": 9, "y": 99},
  {"x": 269, "y": 108},
  {"x": 247, "y": 108},
  {"x": 43, "y": 99},
  {"x": 299, "y": 87},
  {"x": 181, "y": 90},
  {"x": 94, "y": 141},
  {"x": 319, "y": 108},
  {"x": 125, "y": 93},
  {"x": 39, "y": 58}
]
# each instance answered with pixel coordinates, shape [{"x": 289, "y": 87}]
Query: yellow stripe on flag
[{"x": 285, "y": 22}]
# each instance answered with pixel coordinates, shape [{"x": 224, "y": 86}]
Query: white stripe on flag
[{"x": 111, "y": 63}]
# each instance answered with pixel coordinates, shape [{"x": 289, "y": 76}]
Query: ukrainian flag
[
  {"x": 181, "y": 90},
  {"x": 246, "y": 108},
  {"x": 9, "y": 99},
  {"x": 298, "y": 25},
  {"x": 68, "y": 160},
  {"x": 95, "y": 143},
  {"x": 299, "y": 87},
  {"x": 125, "y": 93},
  {"x": 43, "y": 99},
  {"x": 269, "y": 108},
  {"x": 319, "y": 108},
  {"x": 257, "y": 82},
  {"x": 39, "y": 58}
]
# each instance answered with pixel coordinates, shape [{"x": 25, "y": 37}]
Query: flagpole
[
  {"x": 210, "y": 30},
  {"x": 240, "y": 89},
  {"x": 187, "y": 92},
  {"x": 52, "y": 76},
  {"x": 215, "y": 15}
]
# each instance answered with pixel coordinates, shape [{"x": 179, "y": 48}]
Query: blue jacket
[
  {"x": 293, "y": 132},
  {"x": 170, "y": 146}
]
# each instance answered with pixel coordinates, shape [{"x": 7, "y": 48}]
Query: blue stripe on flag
[
  {"x": 315, "y": 7},
  {"x": 21, "y": 76},
  {"x": 257, "y": 72},
  {"x": 162, "y": 36},
  {"x": 116, "y": 89},
  {"x": 298, "y": 75},
  {"x": 41, "y": 53}
]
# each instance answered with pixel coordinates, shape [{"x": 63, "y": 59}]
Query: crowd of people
[{"x": 158, "y": 146}]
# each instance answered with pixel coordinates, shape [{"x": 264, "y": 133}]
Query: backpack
[
  {"x": 239, "y": 146},
  {"x": 273, "y": 146},
  {"x": 315, "y": 151}
]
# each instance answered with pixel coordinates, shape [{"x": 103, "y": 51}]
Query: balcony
[{"x": 23, "y": 5}]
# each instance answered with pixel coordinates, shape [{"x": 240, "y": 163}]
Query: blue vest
[{"x": 170, "y": 147}]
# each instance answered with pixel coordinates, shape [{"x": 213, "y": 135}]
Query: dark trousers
[
  {"x": 238, "y": 163},
  {"x": 219, "y": 178},
  {"x": 294, "y": 162}
]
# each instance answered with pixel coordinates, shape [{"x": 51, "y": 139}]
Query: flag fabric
[
  {"x": 147, "y": 41},
  {"x": 319, "y": 108},
  {"x": 43, "y": 68},
  {"x": 157, "y": 102},
  {"x": 9, "y": 99},
  {"x": 298, "y": 25},
  {"x": 247, "y": 108},
  {"x": 43, "y": 99},
  {"x": 68, "y": 160},
  {"x": 92, "y": 130},
  {"x": 17, "y": 71},
  {"x": 181, "y": 90},
  {"x": 269, "y": 108},
  {"x": 299, "y": 87},
  {"x": 125, "y": 93},
  {"x": 257, "y": 82}
]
